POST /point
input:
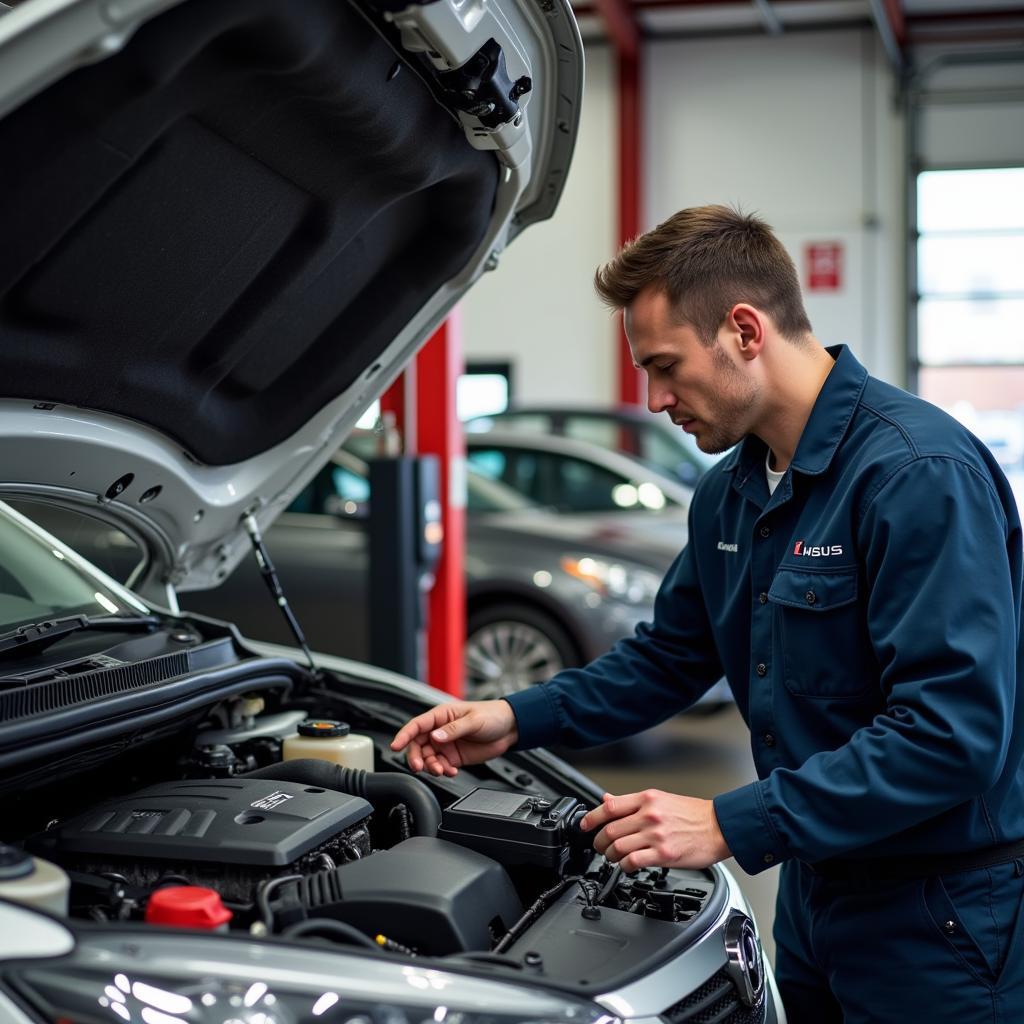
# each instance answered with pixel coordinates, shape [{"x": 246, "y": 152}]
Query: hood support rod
[{"x": 269, "y": 575}]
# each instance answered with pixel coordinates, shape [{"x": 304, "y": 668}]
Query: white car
[
  {"x": 227, "y": 225},
  {"x": 570, "y": 475}
]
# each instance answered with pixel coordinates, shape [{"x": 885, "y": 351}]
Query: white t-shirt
[{"x": 773, "y": 477}]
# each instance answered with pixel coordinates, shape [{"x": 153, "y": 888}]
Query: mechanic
[{"x": 854, "y": 569}]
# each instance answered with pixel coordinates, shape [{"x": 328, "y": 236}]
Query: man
[{"x": 854, "y": 569}]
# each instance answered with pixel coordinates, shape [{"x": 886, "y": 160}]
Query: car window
[
  {"x": 334, "y": 489},
  {"x": 520, "y": 470},
  {"x": 44, "y": 579},
  {"x": 486, "y": 495},
  {"x": 348, "y": 485},
  {"x": 584, "y": 487},
  {"x": 488, "y": 462},
  {"x": 600, "y": 431},
  {"x": 111, "y": 550}
]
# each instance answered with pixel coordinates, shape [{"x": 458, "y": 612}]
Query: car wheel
[{"x": 511, "y": 647}]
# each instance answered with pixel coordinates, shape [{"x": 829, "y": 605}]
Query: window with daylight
[{"x": 970, "y": 309}]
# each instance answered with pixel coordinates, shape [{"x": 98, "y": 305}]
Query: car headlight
[
  {"x": 142, "y": 979},
  {"x": 612, "y": 579}
]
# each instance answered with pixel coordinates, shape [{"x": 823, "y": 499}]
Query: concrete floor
[{"x": 698, "y": 756}]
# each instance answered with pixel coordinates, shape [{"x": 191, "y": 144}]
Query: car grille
[{"x": 715, "y": 1002}]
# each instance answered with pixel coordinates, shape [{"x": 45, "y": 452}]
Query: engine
[
  {"x": 307, "y": 848},
  {"x": 292, "y": 854},
  {"x": 226, "y": 834}
]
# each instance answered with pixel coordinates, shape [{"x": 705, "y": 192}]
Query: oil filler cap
[
  {"x": 187, "y": 906},
  {"x": 323, "y": 727},
  {"x": 14, "y": 863}
]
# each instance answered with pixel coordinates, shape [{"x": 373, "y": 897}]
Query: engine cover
[
  {"x": 432, "y": 895},
  {"x": 233, "y": 821}
]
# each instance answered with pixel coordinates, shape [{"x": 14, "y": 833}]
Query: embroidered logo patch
[{"x": 816, "y": 550}]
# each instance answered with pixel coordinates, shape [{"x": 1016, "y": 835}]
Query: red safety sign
[{"x": 824, "y": 262}]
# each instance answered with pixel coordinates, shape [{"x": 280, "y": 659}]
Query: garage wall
[
  {"x": 800, "y": 128},
  {"x": 540, "y": 312}
]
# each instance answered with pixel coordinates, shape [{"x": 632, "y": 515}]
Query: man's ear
[{"x": 748, "y": 326}]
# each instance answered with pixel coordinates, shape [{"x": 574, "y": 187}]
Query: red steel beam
[
  {"x": 620, "y": 25},
  {"x": 625, "y": 37},
  {"x": 897, "y": 21},
  {"x": 631, "y": 146},
  {"x": 439, "y": 365}
]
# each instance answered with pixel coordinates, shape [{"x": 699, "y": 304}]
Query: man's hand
[
  {"x": 656, "y": 829},
  {"x": 452, "y": 735}
]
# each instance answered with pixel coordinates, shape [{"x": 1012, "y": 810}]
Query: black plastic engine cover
[
  {"x": 234, "y": 821},
  {"x": 434, "y": 896}
]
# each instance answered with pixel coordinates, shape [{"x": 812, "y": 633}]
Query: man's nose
[{"x": 659, "y": 398}]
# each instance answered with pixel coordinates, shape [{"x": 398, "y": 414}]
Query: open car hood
[{"x": 229, "y": 223}]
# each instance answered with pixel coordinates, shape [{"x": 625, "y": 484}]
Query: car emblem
[{"x": 745, "y": 967}]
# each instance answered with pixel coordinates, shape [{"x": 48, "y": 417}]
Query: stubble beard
[{"x": 734, "y": 400}]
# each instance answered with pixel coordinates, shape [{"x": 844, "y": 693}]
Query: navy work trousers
[{"x": 944, "y": 948}]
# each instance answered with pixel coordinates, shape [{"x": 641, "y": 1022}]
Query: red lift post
[
  {"x": 624, "y": 34},
  {"x": 423, "y": 403},
  {"x": 439, "y": 432}
]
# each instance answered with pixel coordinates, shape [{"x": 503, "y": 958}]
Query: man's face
[{"x": 699, "y": 386}]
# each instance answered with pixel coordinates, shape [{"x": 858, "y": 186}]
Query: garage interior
[
  {"x": 838, "y": 121},
  {"x": 525, "y": 504}
]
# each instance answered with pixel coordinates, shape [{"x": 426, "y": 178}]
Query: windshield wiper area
[{"x": 37, "y": 635}]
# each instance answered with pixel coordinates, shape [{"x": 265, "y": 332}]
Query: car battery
[{"x": 516, "y": 829}]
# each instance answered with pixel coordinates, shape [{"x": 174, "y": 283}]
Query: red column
[
  {"x": 400, "y": 401},
  {"x": 439, "y": 431},
  {"x": 630, "y": 192}
]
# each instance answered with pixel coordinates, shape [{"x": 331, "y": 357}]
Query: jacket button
[
  {"x": 762, "y": 597},
  {"x": 769, "y": 739},
  {"x": 761, "y": 669},
  {"x": 766, "y": 531},
  {"x": 810, "y": 597},
  {"x": 769, "y": 858},
  {"x": 949, "y": 927}
]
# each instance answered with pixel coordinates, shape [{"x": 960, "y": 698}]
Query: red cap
[{"x": 187, "y": 906}]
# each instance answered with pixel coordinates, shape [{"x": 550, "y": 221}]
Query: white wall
[
  {"x": 800, "y": 128},
  {"x": 540, "y": 311}
]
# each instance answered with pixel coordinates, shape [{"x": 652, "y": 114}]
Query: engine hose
[{"x": 385, "y": 787}]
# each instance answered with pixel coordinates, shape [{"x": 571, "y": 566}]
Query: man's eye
[{"x": 666, "y": 366}]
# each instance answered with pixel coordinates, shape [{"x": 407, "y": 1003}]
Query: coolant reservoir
[
  {"x": 330, "y": 741},
  {"x": 33, "y": 882}
]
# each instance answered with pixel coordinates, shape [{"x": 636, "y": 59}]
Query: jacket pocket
[{"x": 825, "y": 647}]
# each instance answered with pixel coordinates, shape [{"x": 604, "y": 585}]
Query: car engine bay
[{"x": 208, "y": 824}]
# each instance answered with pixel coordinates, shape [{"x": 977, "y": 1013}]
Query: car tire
[{"x": 510, "y": 647}]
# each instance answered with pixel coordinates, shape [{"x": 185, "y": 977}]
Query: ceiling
[{"x": 908, "y": 23}]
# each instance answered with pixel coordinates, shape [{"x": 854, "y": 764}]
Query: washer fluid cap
[
  {"x": 323, "y": 727},
  {"x": 14, "y": 863},
  {"x": 187, "y": 906}
]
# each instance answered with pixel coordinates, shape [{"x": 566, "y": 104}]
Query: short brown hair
[{"x": 706, "y": 259}]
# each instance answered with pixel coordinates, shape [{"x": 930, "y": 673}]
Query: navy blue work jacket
[{"x": 868, "y": 618}]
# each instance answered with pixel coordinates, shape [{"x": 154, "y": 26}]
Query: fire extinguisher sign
[{"x": 824, "y": 266}]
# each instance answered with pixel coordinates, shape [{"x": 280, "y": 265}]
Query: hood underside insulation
[{"x": 218, "y": 229}]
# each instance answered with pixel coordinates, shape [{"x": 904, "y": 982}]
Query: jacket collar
[{"x": 829, "y": 420}]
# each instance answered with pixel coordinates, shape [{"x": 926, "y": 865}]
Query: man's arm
[
  {"x": 942, "y": 621},
  {"x": 663, "y": 668}
]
